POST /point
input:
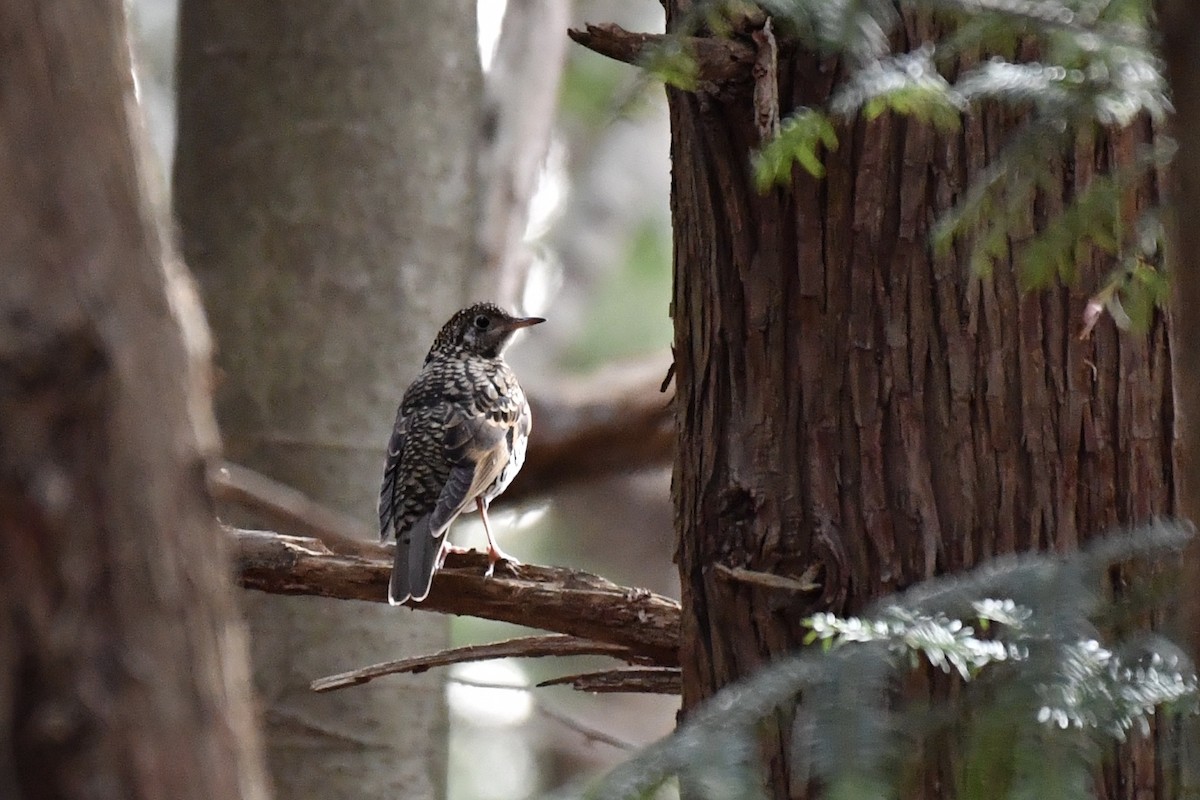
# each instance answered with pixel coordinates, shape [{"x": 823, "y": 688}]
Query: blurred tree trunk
[
  {"x": 845, "y": 399},
  {"x": 325, "y": 189},
  {"x": 122, "y": 664},
  {"x": 1180, "y": 26}
]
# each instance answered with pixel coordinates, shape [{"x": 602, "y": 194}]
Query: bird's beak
[{"x": 525, "y": 322}]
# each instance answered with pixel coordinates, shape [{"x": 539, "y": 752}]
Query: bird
[{"x": 459, "y": 439}]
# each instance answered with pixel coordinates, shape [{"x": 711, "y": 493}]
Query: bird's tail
[{"x": 416, "y": 561}]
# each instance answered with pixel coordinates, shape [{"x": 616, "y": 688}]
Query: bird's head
[{"x": 484, "y": 329}]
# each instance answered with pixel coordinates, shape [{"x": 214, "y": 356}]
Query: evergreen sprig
[
  {"x": 1095, "y": 67},
  {"x": 1043, "y": 692}
]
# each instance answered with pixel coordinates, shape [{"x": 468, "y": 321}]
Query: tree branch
[
  {"x": 586, "y": 731},
  {"x": 641, "y": 680},
  {"x": 615, "y": 421},
  {"x": 522, "y": 647},
  {"x": 718, "y": 60},
  {"x": 548, "y": 598},
  {"x": 288, "y": 508}
]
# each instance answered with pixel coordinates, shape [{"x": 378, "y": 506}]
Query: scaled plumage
[{"x": 458, "y": 441}]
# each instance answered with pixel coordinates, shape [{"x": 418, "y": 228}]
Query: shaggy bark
[
  {"x": 851, "y": 407},
  {"x": 123, "y": 668}
]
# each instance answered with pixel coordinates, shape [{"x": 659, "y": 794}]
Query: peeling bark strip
[
  {"x": 640, "y": 680},
  {"x": 847, "y": 400},
  {"x": 548, "y": 598}
]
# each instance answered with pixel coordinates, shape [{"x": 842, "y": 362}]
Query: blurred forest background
[{"x": 600, "y": 230}]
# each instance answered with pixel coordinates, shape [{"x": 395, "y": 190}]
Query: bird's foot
[
  {"x": 447, "y": 549},
  {"x": 496, "y": 555}
]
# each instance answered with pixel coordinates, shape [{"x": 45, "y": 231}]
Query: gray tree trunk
[
  {"x": 325, "y": 188},
  {"x": 122, "y": 662}
]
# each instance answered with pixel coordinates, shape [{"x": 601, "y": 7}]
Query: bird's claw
[
  {"x": 510, "y": 563},
  {"x": 446, "y": 550}
]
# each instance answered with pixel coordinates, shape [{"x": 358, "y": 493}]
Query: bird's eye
[{"x": 482, "y": 322}]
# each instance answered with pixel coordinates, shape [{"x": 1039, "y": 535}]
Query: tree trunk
[
  {"x": 848, "y": 400},
  {"x": 1180, "y": 26},
  {"x": 123, "y": 665},
  {"x": 325, "y": 180}
]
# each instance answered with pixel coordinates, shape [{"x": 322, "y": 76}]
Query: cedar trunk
[{"x": 848, "y": 400}]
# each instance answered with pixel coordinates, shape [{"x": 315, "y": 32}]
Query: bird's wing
[
  {"x": 388, "y": 496},
  {"x": 476, "y": 448},
  {"x": 475, "y": 444},
  {"x": 518, "y": 438}
]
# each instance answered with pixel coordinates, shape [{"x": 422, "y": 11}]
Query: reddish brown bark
[{"x": 847, "y": 399}]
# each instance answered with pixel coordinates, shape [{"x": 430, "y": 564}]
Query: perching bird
[{"x": 459, "y": 440}]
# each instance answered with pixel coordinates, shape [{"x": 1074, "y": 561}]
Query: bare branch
[
  {"x": 641, "y": 680},
  {"x": 717, "y": 60},
  {"x": 281, "y": 505},
  {"x": 586, "y": 731},
  {"x": 521, "y": 647},
  {"x": 548, "y": 598},
  {"x": 614, "y": 421}
]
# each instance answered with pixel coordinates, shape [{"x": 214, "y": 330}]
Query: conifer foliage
[
  {"x": 1069, "y": 68},
  {"x": 1047, "y": 685}
]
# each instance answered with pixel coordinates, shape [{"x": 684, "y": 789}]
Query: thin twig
[
  {"x": 587, "y": 731},
  {"x": 523, "y": 647},
  {"x": 639, "y": 680}
]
